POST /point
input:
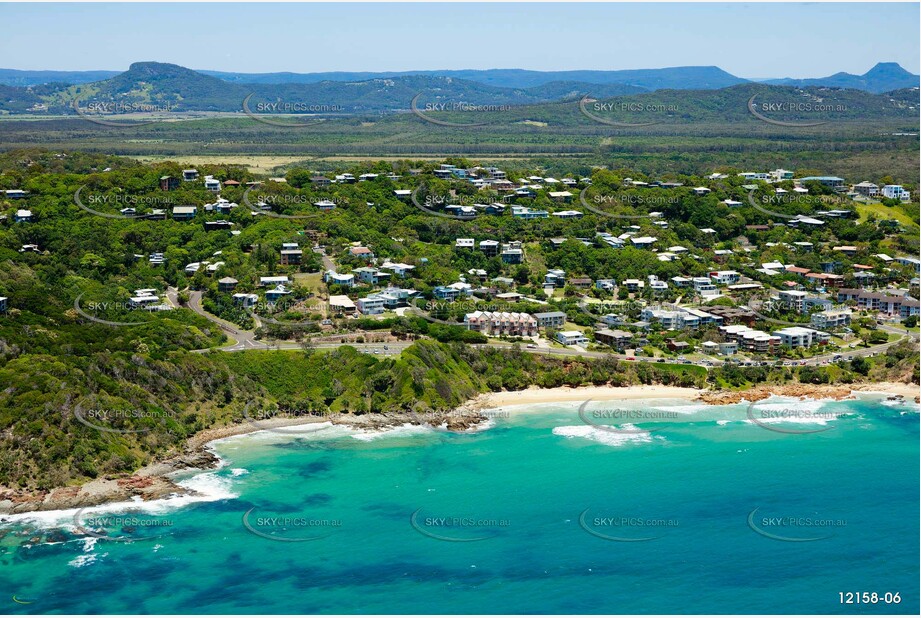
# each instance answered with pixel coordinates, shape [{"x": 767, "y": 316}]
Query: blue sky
[{"x": 748, "y": 40}]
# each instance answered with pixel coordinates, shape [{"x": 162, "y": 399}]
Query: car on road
[{"x": 633, "y": 358}]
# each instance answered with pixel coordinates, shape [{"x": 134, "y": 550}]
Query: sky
[{"x": 748, "y": 40}]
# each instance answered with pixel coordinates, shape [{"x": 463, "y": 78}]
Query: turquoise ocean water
[{"x": 682, "y": 508}]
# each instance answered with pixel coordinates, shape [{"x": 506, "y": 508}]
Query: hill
[{"x": 885, "y": 76}]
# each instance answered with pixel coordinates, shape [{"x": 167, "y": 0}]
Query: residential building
[
  {"x": 227, "y": 284},
  {"x": 523, "y": 212},
  {"x": 571, "y": 337},
  {"x": 831, "y": 319},
  {"x": 189, "y": 175},
  {"x": 371, "y": 305},
  {"x": 550, "y": 319},
  {"x": 501, "y": 323},
  {"x": 334, "y": 278},
  {"x": 184, "y": 213},
  {"x": 341, "y": 304},
  {"x": 245, "y": 300},
  {"x": 896, "y": 192},
  {"x": 361, "y": 252},
  {"x": 799, "y": 337},
  {"x": 832, "y": 182},
  {"x": 168, "y": 183},
  {"x": 265, "y": 282},
  {"x": 23, "y": 216},
  {"x": 866, "y": 189},
  {"x": 618, "y": 339}
]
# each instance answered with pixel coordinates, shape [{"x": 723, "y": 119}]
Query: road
[{"x": 246, "y": 340}]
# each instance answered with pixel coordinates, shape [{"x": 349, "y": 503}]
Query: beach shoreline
[{"x": 155, "y": 481}]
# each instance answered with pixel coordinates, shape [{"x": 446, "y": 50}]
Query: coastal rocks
[
  {"x": 811, "y": 391},
  {"x": 94, "y": 493}
]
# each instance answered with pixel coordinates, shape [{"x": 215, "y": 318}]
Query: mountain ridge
[{"x": 884, "y": 76}]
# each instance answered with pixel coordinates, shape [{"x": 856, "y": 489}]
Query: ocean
[{"x": 653, "y": 506}]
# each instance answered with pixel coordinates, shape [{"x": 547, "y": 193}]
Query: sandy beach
[
  {"x": 154, "y": 481},
  {"x": 564, "y": 394}
]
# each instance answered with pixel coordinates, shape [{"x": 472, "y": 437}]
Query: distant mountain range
[
  {"x": 159, "y": 86},
  {"x": 884, "y": 77}
]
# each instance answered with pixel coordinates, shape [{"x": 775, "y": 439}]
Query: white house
[{"x": 571, "y": 337}]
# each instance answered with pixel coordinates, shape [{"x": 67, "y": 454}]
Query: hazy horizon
[{"x": 752, "y": 41}]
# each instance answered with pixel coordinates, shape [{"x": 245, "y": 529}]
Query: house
[
  {"x": 156, "y": 259},
  {"x": 16, "y": 194},
  {"x": 227, "y": 284},
  {"x": 361, "y": 252},
  {"x": 910, "y": 261},
  {"x": 523, "y": 212},
  {"x": 325, "y": 205},
  {"x": 184, "y": 213},
  {"x": 568, "y": 214},
  {"x": 555, "y": 278},
  {"x": 643, "y": 242},
  {"x": 23, "y": 216},
  {"x": 832, "y": 182},
  {"x": 489, "y": 247},
  {"x": 512, "y": 255},
  {"x": 168, "y": 183},
  {"x": 341, "y": 304},
  {"x": 189, "y": 175},
  {"x": 560, "y": 196},
  {"x": 370, "y": 275},
  {"x": 464, "y": 243},
  {"x": 446, "y": 293},
  {"x": 618, "y": 339},
  {"x": 501, "y": 323},
  {"x": 291, "y": 256},
  {"x": 799, "y": 337},
  {"x": 320, "y": 181},
  {"x": 896, "y": 192},
  {"x": 273, "y": 281},
  {"x": 571, "y": 337},
  {"x": 276, "y": 293},
  {"x": 4, "y": 304},
  {"x": 403, "y": 194},
  {"x": 701, "y": 190},
  {"x": 398, "y": 268},
  {"x": 792, "y": 299},
  {"x": 212, "y": 184},
  {"x": 633, "y": 285},
  {"x": 725, "y": 277},
  {"x": 831, "y": 318},
  {"x": 704, "y": 287},
  {"x": 550, "y": 319},
  {"x": 371, "y": 305},
  {"x": 212, "y": 226},
  {"x": 331, "y": 277},
  {"x": 580, "y": 282},
  {"x": 866, "y": 189}
]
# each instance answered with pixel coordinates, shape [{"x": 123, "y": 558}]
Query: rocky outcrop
[{"x": 811, "y": 391}]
